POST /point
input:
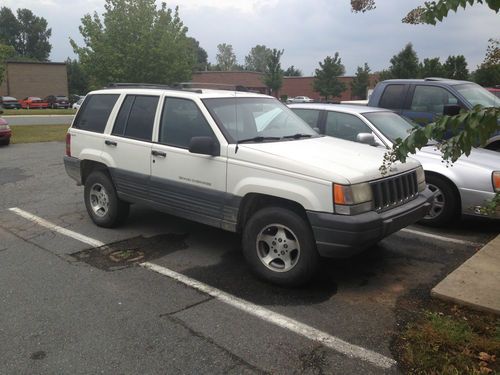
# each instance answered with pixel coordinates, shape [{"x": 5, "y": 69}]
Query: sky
[{"x": 308, "y": 31}]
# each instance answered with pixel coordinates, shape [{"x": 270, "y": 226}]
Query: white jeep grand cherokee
[{"x": 242, "y": 162}]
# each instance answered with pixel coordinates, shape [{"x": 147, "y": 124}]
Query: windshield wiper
[
  {"x": 297, "y": 136},
  {"x": 255, "y": 139}
]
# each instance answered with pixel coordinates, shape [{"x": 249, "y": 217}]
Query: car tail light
[
  {"x": 68, "y": 144},
  {"x": 496, "y": 181}
]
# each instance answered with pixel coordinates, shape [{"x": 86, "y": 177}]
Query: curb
[{"x": 476, "y": 283}]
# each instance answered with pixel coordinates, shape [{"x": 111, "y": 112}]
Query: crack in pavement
[
  {"x": 187, "y": 307},
  {"x": 64, "y": 257}
]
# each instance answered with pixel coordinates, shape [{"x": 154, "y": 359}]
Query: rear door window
[
  {"x": 393, "y": 97},
  {"x": 136, "y": 117},
  {"x": 94, "y": 113}
]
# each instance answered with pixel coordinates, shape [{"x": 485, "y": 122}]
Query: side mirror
[
  {"x": 366, "y": 138},
  {"x": 451, "y": 110},
  {"x": 204, "y": 145}
]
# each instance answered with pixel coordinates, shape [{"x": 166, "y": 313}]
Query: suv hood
[{"x": 326, "y": 158}]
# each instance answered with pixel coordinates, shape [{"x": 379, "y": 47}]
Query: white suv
[{"x": 242, "y": 162}]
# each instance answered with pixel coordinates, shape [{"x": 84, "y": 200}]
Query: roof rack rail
[
  {"x": 114, "y": 85},
  {"x": 434, "y": 79},
  {"x": 215, "y": 86}
]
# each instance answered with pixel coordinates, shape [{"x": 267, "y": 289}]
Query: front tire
[
  {"x": 279, "y": 246},
  {"x": 102, "y": 202},
  {"x": 445, "y": 205}
]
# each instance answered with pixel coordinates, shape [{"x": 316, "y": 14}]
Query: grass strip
[
  {"x": 37, "y": 112},
  {"x": 451, "y": 341},
  {"x": 38, "y": 133}
]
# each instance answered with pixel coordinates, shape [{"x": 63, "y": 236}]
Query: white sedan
[
  {"x": 300, "y": 99},
  {"x": 462, "y": 188}
]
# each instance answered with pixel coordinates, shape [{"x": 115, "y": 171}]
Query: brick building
[
  {"x": 22, "y": 79},
  {"x": 292, "y": 86}
]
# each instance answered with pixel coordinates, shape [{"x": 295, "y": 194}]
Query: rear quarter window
[{"x": 95, "y": 111}]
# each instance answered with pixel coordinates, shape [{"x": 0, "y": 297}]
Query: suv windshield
[
  {"x": 390, "y": 124},
  {"x": 259, "y": 118},
  {"x": 476, "y": 94}
]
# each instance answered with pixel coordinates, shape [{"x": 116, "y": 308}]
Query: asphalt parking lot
[{"x": 189, "y": 305}]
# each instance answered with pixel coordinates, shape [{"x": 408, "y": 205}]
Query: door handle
[
  {"x": 110, "y": 143},
  {"x": 160, "y": 154}
]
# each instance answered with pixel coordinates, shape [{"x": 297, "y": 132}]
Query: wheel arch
[
  {"x": 88, "y": 166},
  {"x": 458, "y": 197},
  {"x": 253, "y": 202}
]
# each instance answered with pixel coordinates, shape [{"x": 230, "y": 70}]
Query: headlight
[
  {"x": 421, "y": 179},
  {"x": 495, "y": 177},
  {"x": 4, "y": 127},
  {"x": 352, "y": 199}
]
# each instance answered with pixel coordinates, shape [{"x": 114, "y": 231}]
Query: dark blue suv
[{"x": 423, "y": 100}]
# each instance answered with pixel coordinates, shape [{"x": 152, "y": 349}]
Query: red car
[
  {"x": 33, "y": 102},
  {"x": 5, "y": 132},
  {"x": 494, "y": 90}
]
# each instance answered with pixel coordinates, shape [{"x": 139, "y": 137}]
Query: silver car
[{"x": 461, "y": 188}]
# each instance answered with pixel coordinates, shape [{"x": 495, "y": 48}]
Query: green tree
[
  {"x": 78, "y": 82},
  {"x": 27, "y": 33},
  {"x": 226, "y": 59},
  {"x": 200, "y": 54},
  {"x": 488, "y": 73},
  {"x": 455, "y": 67},
  {"x": 360, "y": 82},
  {"x": 273, "y": 76},
  {"x": 135, "y": 42},
  {"x": 431, "y": 68},
  {"x": 292, "y": 72},
  {"x": 257, "y": 58},
  {"x": 6, "y": 52},
  {"x": 404, "y": 64},
  {"x": 9, "y": 27},
  {"x": 326, "y": 80}
]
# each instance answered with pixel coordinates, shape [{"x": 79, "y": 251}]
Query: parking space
[{"x": 72, "y": 305}]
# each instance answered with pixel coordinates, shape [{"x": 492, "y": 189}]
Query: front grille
[{"x": 394, "y": 191}]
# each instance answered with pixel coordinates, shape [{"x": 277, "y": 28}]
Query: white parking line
[
  {"x": 332, "y": 342},
  {"x": 282, "y": 321},
  {"x": 440, "y": 238},
  {"x": 56, "y": 228}
]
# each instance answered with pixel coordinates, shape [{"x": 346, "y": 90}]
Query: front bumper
[{"x": 339, "y": 236}]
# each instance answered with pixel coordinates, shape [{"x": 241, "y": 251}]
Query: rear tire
[
  {"x": 102, "y": 202},
  {"x": 445, "y": 205},
  {"x": 279, "y": 246}
]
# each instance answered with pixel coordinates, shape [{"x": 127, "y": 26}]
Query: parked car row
[{"x": 35, "y": 102}]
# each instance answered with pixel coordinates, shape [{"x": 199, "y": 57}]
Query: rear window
[
  {"x": 392, "y": 97},
  {"x": 94, "y": 113}
]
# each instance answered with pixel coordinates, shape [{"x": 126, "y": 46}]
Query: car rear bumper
[
  {"x": 72, "y": 166},
  {"x": 339, "y": 236},
  {"x": 4, "y": 134}
]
